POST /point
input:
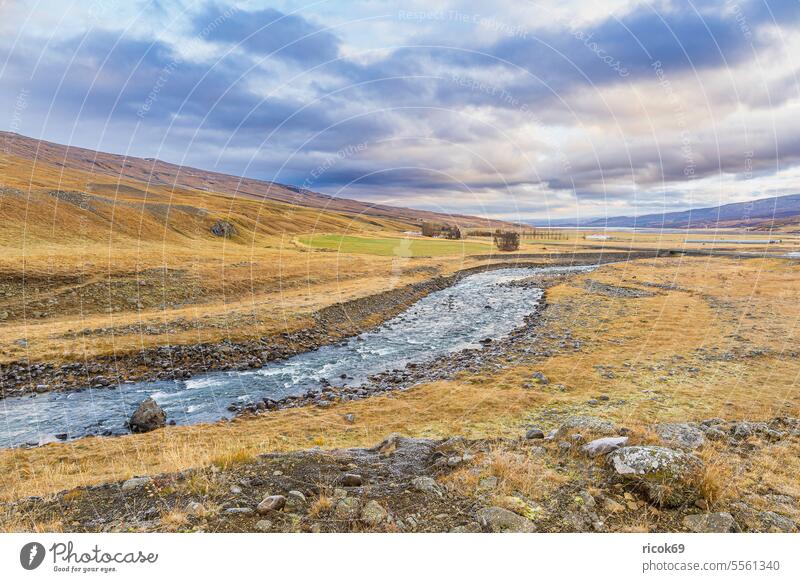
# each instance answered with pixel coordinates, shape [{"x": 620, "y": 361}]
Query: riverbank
[{"x": 329, "y": 325}]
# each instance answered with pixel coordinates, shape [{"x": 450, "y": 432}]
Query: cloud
[{"x": 524, "y": 108}]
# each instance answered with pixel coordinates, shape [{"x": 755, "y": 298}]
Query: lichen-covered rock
[
  {"x": 223, "y": 228},
  {"x": 586, "y": 425},
  {"x": 711, "y": 523},
  {"x": 497, "y": 519},
  {"x": 149, "y": 416},
  {"x": 666, "y": 476},
  {"x": 373, "y": 513},
  {"x": 682, "y": 435}
]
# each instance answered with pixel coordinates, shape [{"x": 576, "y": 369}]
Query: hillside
[
  {"x": 29, "y": 162},
  {"x": 773, "y": 213}
]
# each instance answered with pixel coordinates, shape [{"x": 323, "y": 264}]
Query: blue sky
[{"x": 507, "y": 109}]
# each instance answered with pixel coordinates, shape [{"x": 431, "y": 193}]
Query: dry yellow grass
[{"x": 652, "y": 345}]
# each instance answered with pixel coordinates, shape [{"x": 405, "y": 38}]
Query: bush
[{"x": 506, "y": 240}]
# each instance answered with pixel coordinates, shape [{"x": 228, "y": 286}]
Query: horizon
[{"x": 531, "y": 113}]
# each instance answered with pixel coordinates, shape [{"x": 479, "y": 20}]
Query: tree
[{"x": 506, "y": 240}]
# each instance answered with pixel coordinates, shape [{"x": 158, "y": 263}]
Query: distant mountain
[
  {"x": 762, "y": 214},
  {"x": 148, "y": 173}
]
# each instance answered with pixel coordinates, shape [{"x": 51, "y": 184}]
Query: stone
[
  {"x": 540, "y": 378},
  {"x": 223, "y": 228},
  {"x": 498, "y": 519},
  {"x": 373, "y": 514},
  {"x": 195, "y": 508},
  {"x": 667, "y": 476},
  {"x": 149, "y": 416},
  {"x": 296, "y": 497},
  {"x": 753, "y": 520},
  {"x": 351, "y": 480},
  {"x": 264, "y": 525},
  {"x": 347, "y": 509},
  {"x": 270, "y": 504},
  {"x": 612, "y": 506},
  {"x": 682, "y": 435},
  {"x": 534, "y": 433},
  {"x": 426, "y": 485},
  {"x": 487, "y": 483},
  {"x": 711, "y": 523},
  {"x": 586, "y": 424},
  {"x": 604, "y": 445},
  {"x": 239, "y": 511},
  {"x": 714, "y": 434},
  {"x": 349, "y": 418},
  {"x": 135, "y": 483}
]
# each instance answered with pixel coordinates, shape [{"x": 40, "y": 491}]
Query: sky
[{"x": 556, "y": 110}]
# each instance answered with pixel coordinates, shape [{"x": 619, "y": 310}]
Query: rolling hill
[
  {"x": 30, "y": 164},
  {"x": 775, "y": 213}
]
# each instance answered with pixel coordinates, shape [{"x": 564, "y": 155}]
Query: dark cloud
[{"x": 268, "y": 32}]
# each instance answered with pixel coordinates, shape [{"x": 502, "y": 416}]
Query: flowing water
[{"x": 477, "y": 307}]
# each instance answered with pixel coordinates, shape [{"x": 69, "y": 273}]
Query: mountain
[
  {"x": 762, "y": 214},
  {"x": 105, "y": 174}
]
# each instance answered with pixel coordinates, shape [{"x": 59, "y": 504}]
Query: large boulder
[
  {"x": 683, "y": 435},
  {"x": 149, "y": 416},
  {"x": 668, "y": 477},
  {"x": 223, "y": 228},
  {"x": 498, "y": 519}
]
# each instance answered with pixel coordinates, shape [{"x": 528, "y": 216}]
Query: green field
[{"x": 394, "y": 247}]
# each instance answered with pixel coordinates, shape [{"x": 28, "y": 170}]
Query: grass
[
  {"x": 395, "y": 246},
  {"x": 667, "y": 354}
]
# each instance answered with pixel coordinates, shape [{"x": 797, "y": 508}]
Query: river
[{"x": 477, "y": 307}]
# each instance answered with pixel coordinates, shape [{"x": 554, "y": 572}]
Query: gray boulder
[
  {"x": 270, "y": 504},
  {"x": 681, "y": 435},
  {"x": 223, "y": 228},
  {"x": 711, "y": 523},
  {"x": 373, "y": 514},
  {"x": 149, "y": 416},
  {"x": 426, "y": 485},
  {"x": 666, "y": 476},
  {"x": 497, "y": 519},
  {"x": 135, "y": 483},
  {"x": 604, "y": 445}
]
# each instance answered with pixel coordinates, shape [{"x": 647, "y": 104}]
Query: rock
[
  {"x": 426, "y": 485},
  {"x": 351, "y": 480},
  {"x": 296, "y": 498},
  {"x": 195, "y": 508},
  {"x": 761, "y": 521},
  {"x": 613, "y": 506},
  {"x": 239, "y": 511},
  {"x": 534, "y": 433},
  {"x": 741, "y": 430},
  {"x": 349, "y": 418},
  {"x": 586, "y": 424},
  {"x": 270, "y": 504},
  {"x": 347, "y": 509},
  {"x": 666, "y": 476},
  {"x": 373, "y": 514},
  {"x": 223, "y": 228},
  {"x": 135, "y": 483},
  {"x": 519, "y": 506},
  {"x": 149, "y": 416},
  {"x": 540, "y": 378},
  {"x": 714, "y": 434},
  {"x": 604, "y": 445},
  {"x": 682, "y": 435},
  {"x": 711, "y": 523},
  {"x": 468, "y": 528},
  {"x": 498, "y": 519},
  {"x": 264, "y": 525},
  {"x": 487, "y": 483}
]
